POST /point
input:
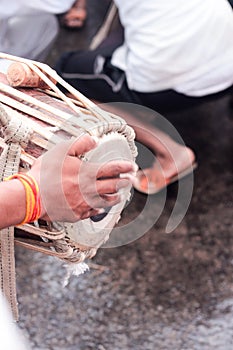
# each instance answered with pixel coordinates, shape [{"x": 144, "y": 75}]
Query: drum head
[{"x": 93, "y": 232}]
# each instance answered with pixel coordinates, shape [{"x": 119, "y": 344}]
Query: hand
[
  {"x": 72, "y": 189},
  {"x": 76, "y": 16}
]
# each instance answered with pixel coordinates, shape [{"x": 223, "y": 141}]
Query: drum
[{"x": 42, "y": 115}]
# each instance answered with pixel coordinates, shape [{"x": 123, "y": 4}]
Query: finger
[
  {"x": 91, "y": 212},
  {"x": 132, "y": 178},
  {"x": 86, "y": 214},
  {"x": 115, "y": 168},
  {"x": 111, "y": 199},
  {"x": 82, "y": 145},
  {"x": 111, "y": 186},
  {"x": 106, "y": 201}
]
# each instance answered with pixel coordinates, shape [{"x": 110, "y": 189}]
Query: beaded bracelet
[{"x": 33, "y": 200}]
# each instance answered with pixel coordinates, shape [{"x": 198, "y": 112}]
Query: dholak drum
[{"x": 41, "y": 116}]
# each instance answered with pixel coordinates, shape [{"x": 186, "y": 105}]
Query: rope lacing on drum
[{"x": 16, "y": 135}]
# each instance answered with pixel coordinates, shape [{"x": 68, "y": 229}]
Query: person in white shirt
[
  {"x": 29, "y": 28},
  {"x": 11, "y": 336},
  {"x": 174, "y": 54}
]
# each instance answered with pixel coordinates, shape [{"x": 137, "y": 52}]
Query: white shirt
[
  {"x": 185, "y": 45},
  {"x": 25, "y": 7},
  {"x": 10, "y": 335},
  {"x": 26, "y": 29}
]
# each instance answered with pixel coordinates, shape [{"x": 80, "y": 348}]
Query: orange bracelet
[{"x": 33, "y": 201}]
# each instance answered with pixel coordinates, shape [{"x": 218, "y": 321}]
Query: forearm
[{"x": 12, "y": 203}]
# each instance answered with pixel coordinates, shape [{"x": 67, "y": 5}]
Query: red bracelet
[{"x": 33, "y": 200}]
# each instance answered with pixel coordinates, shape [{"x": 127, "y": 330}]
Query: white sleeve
[
  {"x": 10, "y": 335},
  {"x": 51, "y": 6},
  {"x": 4, "y": 64},
  {"x": 19, "y": 7}
]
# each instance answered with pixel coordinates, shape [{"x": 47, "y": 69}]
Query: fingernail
[
  {"x": 127, "y": 176},
  {"x": 124, "y": 176}
]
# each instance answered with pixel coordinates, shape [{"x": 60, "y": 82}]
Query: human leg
[
  {"x": 173, "y": 159},
  {"x": 92, "y": 73}
]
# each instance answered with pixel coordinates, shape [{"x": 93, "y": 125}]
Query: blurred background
[{"x": 162, "y": 291}]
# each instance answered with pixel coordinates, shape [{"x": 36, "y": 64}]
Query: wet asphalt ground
[{"x": 163, "y": 291}]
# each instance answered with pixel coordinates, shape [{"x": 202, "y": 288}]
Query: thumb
[{"x": 82, "y": 145}]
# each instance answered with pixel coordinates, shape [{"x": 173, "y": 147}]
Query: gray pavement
[{"x": 164, "y": 291}]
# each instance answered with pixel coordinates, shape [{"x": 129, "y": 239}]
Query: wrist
[
  {"x": 12, "y": 203},
  {"x": 32, "y": 197}
]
